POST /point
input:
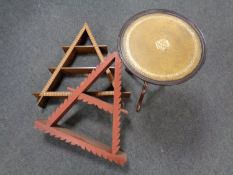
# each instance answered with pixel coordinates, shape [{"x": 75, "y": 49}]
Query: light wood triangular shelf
[{"x": 63, "y": 67}]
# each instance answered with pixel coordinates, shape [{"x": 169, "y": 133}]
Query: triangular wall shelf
[
  {"x": 111, "y": 153},
  {"x": 63, "y": 68}
]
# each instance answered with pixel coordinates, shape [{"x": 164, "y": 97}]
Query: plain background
[{"x": 182, "y": 130}]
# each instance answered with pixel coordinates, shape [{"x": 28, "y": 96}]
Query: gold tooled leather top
[{"x": 161, "y": 47}]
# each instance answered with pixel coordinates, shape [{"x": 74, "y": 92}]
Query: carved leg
[{"x": 140, "y": 99}]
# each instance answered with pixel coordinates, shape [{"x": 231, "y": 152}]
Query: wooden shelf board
[
  {"x": 87, "y": 48},
  {"x": 62, "y": 94},
  {"x": 77, "y": 70}
]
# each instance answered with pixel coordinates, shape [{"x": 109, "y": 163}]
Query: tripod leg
[
  {"x": 128, "y": 71},
  {"x": 140, "y": 99}
]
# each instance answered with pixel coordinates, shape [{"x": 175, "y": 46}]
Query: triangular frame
[
  {"x": 65, "y": 61},
  {"x": 110, "y": 153}
]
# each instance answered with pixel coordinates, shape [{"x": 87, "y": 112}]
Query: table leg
[{"x": 140, "y": 99}]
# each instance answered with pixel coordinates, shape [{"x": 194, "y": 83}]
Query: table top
[{"x": 161, "y": 46}]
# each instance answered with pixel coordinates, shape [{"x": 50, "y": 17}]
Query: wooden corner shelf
[{"x": 64, "y": 67}]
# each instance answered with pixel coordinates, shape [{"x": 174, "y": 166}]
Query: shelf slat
[
  {"x": 87, "y": 48},
  {"x": 62, "y": 94},
  {"x": 77, "y": 70}
]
